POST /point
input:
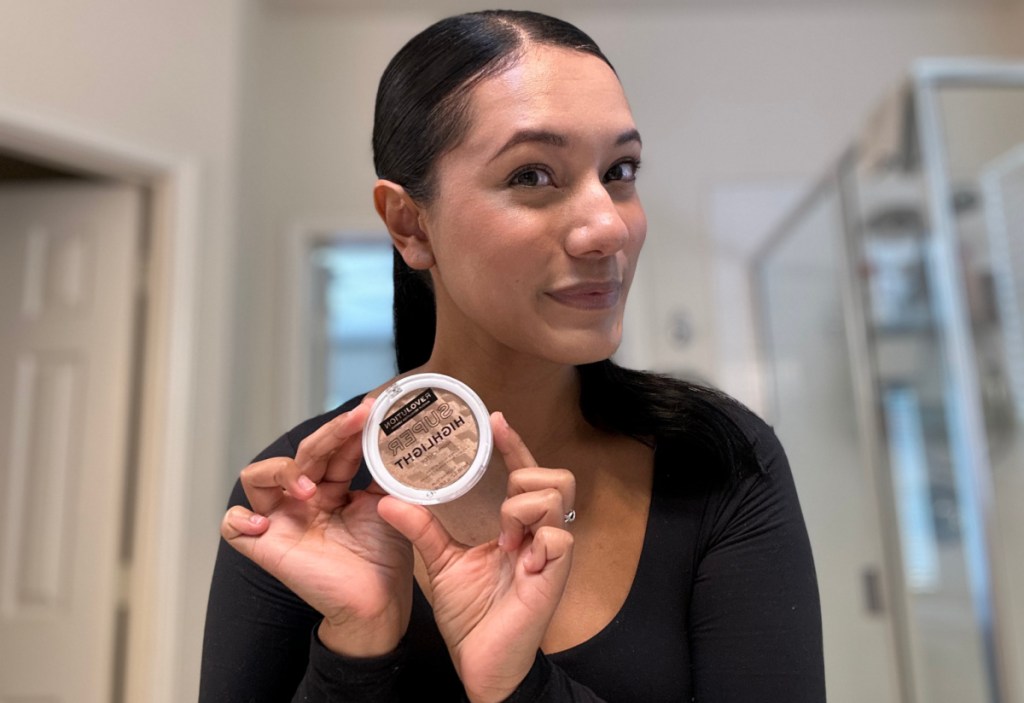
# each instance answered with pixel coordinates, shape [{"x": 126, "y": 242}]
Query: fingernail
[
  {"x": 501, "y": 540},
  {"x": 305, "y": 484},
  {"x": 504, "y": 422},
  {"x": 256, "y": 519}
]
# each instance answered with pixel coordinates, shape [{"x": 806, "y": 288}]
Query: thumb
[
  {"x": 418, "y": 525},
  {"x": 241, "y": 528}
]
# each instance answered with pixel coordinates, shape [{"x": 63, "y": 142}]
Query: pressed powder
[{"x": 428, "y": 439}]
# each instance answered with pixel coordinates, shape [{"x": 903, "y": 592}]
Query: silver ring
[{"x": 569, "y": 517}]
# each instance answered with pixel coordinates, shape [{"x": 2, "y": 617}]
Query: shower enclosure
[{"x": 892, "y": 332}]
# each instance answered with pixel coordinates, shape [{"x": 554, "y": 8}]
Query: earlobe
[{"x": 403, "y": 218}]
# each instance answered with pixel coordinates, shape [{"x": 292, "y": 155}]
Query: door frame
[{"x": 153, "y": 584}]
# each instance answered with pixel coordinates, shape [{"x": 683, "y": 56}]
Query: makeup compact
[{"x": 428, "y": 439}]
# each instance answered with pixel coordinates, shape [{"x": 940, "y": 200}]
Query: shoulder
[
  {"x": 307, "y": 427},
  {"x": 759, "y": 436},
  {"x": 754, "y": 500},
  {"x": 717, "y": 440},
  {"x": 762, "y": 492},
  {"x": 288, "y": 443}
]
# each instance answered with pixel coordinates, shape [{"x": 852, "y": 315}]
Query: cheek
[
  {"x": 492, "y": 240},
  {"x": 479, "y": 263},
  {"x": 636, "y": 221}
]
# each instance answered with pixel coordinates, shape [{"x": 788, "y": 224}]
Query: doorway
[
  {"x": 72, "y": 314},
  {"x": 48, "y": 400}
]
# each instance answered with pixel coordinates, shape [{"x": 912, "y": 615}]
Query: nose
[{"x": 599, "y": 229}]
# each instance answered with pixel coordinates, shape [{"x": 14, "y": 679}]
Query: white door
[{"x": 68, "y": 268}]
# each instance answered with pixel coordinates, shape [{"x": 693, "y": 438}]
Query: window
[{"x": 352, "y": 344}]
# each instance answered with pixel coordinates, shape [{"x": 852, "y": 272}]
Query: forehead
[{"x": 561, "y": 90}]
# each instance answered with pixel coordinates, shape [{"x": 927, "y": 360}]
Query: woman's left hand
[{"x": 493, "y": 602}]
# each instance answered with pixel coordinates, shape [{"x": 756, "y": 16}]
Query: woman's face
[{"x": 536, "y": 225}]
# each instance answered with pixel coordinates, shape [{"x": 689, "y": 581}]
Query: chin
[{"x": 579, "y": 349}]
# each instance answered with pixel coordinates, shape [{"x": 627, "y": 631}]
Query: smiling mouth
[{"x": 589, "y": 296}]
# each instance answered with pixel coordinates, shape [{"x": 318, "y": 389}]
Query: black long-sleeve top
[{"x": 723, "y": 608}]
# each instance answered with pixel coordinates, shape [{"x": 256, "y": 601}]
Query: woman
[{"x": 507, "y": 157}]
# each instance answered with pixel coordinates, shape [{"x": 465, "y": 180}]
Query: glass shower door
[
  {"x": 920, "y": 431},
  {"x": 813, "y": 406},
  {"x": 982, "y": 130}
]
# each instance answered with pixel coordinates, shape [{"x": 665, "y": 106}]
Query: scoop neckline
[{"x": 628, "y": 602}]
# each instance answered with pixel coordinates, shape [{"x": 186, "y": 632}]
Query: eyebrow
[{"x": 543, "y": 136}]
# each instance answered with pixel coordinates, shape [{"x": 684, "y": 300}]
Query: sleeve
[
  {"x": 330, "y": 678},
  {"x": 755, "y": 613},
  {"x": 546, "y": 683},
  {"x": 257, "y": 640}
]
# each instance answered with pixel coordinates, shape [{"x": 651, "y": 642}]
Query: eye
[
  {"x": 623, "y": 171},
  {"x": 531, "y": 177}
]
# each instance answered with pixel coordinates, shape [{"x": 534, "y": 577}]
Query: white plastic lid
[{"x": 414, "y": 431}]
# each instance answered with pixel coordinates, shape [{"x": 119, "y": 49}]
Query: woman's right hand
[{"x": 327, "y": 543}]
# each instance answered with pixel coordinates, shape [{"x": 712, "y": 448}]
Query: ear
[{"x": 402, "y": 217}]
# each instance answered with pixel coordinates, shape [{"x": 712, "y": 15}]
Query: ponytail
[
  {"x": 694, "y": 427},
  {"x": 414, "y": 316}
]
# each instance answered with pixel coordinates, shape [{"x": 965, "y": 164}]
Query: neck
[{"x": 540, "y": 399}]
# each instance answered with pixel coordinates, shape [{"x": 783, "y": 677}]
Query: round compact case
[{"x": 428, "y": 439}]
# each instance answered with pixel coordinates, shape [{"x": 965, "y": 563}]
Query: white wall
[{"x": 160, "y": 75}]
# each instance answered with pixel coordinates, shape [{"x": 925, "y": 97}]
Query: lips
[{"x": 590, "y": 295}]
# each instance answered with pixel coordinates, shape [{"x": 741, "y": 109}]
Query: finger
[
  {"x": 240, "y": 527},
  {"x": 510, "y": 444},
  {"x": 536, "y": 479},
  {"x": 419, "y": 526},
  {"x": 334, "y": 494},
  {"x": 265, "y": 483},
  {"x": 528, "y": 513},
  {"x": 316, "y": 449},
  {"x": 342, "y": 466},
  {"x": 550, "y": 551},
  {"x": 374, "y": 487}
]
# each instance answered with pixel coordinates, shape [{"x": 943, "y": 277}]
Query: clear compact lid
[{"x": 428, "y": 439}]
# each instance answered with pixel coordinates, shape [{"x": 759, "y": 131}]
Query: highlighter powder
[{"x": 428, "y": 439}]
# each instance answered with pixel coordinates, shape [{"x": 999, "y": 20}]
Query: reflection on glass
[
  {"x": 909, "y": 461},
  {"x": 984, "y": 140},
  {"x": 895, "y": 247},
  {"x": 1002, "y": 195}
]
